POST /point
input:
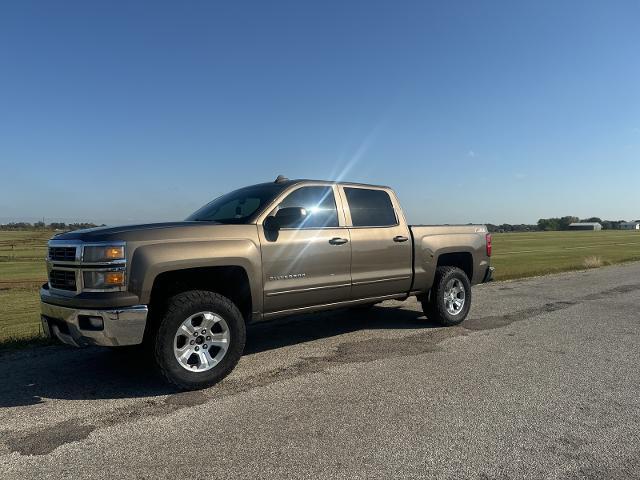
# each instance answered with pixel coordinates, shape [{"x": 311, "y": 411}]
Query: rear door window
[{"x": 370, "y": 208}]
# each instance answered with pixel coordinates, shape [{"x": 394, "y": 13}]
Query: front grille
[
  {"x": 63, "y": 279},
  {"x": 62, "y": 254}
]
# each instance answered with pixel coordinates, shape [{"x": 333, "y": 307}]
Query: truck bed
[{"x": 432, "y": 243}]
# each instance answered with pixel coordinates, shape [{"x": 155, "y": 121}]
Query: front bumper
[{"x": 82, "y": 327}]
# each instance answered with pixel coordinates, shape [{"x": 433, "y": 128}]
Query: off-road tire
[
  {"x": 181, "y": 307},
  {"x": 434, "y": 305}
]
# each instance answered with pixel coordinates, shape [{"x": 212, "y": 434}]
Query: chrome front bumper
[{"x": 80, "y": 327}]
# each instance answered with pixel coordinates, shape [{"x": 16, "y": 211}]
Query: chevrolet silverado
[{"x": 189, "y": 289}]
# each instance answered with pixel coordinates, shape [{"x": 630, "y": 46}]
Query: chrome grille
[
  {"x": 62, "y": 254},
  {"x": 63, "y": 279}
]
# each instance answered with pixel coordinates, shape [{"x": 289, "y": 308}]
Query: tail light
[{"x": 488, "y": 245}]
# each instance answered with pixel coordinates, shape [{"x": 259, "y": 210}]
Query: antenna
[{"x": 281, "y": 179}]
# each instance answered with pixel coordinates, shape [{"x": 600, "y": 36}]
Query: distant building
[
  {"x": 630, "y": 225},
  {"x": 585, "y": 226}
]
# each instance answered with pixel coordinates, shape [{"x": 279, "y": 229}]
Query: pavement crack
[
  {"x": 187, "y": 399},
  {"x": 378, "y": 349},
  {"x": 620, "y": 289},
  {"x": 498, "y": 321}
]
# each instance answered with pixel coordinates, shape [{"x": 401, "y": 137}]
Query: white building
[
  {"x": 630, "y": 225},
  {"x": 585, "y": 226}
]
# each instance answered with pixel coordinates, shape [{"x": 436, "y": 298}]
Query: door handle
[
  {"x": 400, "y": 238},
  {"x": 338, "y": 241}
]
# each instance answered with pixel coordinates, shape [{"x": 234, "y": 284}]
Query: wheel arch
[
  {"x": 229, "y": 267},
  {"x": 460, "y": 259},
  {"x": 231, "y": 281}
]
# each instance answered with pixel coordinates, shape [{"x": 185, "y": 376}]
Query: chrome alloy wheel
[
  {"x": 454, "y": 296},
  {"x": 201, "y": 341}
]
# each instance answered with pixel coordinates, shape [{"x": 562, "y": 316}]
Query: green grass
[
  {"x": 20, "y": 313},
  {"x": 515, "y": 255},
  {"x": 23, "y": 245},
  {"x": 518, "y": 255},
  {"x": 26, "y": 271},
  {"x": 22, "y": 257},
  {"x": 22, "y": 271}
]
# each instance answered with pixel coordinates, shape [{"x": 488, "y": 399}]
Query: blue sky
[{"x": 494, "y": 111}]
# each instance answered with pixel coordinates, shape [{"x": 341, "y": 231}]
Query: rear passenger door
[{"x": 381, "y": 247}]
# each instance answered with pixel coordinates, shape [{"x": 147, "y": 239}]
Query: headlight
[
  {"x": 100, "y": 253},
  {"x": 103, "y": 280}
]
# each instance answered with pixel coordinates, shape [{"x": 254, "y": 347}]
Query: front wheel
[
  {"x": 450, "y": 298},
  {"x": 200, "y": 339}
]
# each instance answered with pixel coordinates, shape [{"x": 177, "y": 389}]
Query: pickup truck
[{"x": 188, "y": 289}]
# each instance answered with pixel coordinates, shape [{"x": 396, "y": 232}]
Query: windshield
[{"x": 239, "y": 206}]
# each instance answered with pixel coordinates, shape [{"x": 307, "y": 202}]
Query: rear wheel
[
  {"x": 450, "y": 298},
  {"x": 200, "y": 339}
]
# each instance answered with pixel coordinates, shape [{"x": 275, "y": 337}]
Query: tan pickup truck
[{"x": 188, "y": 289}]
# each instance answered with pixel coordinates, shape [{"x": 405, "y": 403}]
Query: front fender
[{"x": 149, "y": 261}]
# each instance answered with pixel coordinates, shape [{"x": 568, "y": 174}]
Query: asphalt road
[{"x": 542, "y": 381}]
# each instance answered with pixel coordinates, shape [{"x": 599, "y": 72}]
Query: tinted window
[
  {"x": 370, "y": 208},
  {"x": 319, "y": 204},
  {"x": 239, "y": 206}
]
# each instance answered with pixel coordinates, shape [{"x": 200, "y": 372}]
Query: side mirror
[{"x": 286, "y": 217}]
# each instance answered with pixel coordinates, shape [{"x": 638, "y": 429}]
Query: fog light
[{"x": 86, "y": 322}]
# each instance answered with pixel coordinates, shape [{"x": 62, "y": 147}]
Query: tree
[
  {"x": 81, "y": 226},
  {"x": 548, "y": 224},
  {"x": 566, "y": 221},
  {"x": 552, "y": 224}
]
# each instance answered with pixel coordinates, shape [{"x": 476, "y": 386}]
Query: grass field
[
  {"x": 22, "y": 271},
  {"x": 515, "y": 255}
]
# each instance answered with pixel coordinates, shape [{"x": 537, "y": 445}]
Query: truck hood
[{"x": 144, "y": 232}]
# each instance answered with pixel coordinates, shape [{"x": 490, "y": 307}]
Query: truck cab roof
[{"x": 288, "y": 182}]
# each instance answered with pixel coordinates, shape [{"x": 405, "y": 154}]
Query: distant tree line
[
  {"x": 564, "y": 222},
  {"x": 507, "y": 227},
  {"x": 554, "y": 224},
  {"x": 51, "y": 226}
]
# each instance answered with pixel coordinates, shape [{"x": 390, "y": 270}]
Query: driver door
[{"x": 309, "y": 263}]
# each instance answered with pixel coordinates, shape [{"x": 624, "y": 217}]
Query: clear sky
[{"x": 492, "y": 111}]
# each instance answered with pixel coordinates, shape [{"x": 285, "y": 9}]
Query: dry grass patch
[{"x": 593, "y": 262}]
